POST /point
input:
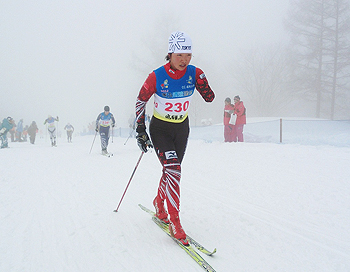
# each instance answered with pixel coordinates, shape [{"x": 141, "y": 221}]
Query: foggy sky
[{"x": 71, "y": 58}]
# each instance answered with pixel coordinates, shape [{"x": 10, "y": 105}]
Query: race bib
[
  {"x": 105, "y": 123},
  {"x": 173, "y": 96}
]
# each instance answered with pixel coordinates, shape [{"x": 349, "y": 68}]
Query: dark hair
[
  {"x": 106, "y": 108},
  {"x": 228, "y": 100},
  {"x": 168, "y": 56},
  {"x": 237, "y": 97}
]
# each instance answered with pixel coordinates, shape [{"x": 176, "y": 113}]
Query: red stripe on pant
[{"x": 169, "y": 185}]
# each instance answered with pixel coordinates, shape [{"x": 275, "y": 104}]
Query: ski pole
[
  {"x": 128, "y": 137},
  {"x": 93, "y": 142},
  {"x": 137, "y": 164},
  {"x": 57, "y": 129},
  {"x": 131, "y": 132}
]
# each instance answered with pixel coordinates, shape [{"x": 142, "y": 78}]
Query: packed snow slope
[{"x": 264, "y": 206}]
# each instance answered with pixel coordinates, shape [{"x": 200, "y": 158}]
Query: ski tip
[
  {"x": 115, "y": 211},
  {"x": 208, "y": 252}
]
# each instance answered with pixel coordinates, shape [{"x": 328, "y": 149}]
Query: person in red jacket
[
  {"x": 240, "y": 111},
  {"x": 229, "y": 127},
  {"x": 173, "y": 86}
]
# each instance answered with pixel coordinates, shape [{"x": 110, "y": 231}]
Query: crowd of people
[
  {"x": 234, "y": 121},
  {"x": 20, "y": 132}
]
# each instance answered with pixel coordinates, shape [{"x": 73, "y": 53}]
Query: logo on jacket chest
[{"x": 185, "y": 89}]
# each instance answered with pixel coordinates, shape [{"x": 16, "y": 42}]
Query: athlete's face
[{"x": 179, "y": 61}]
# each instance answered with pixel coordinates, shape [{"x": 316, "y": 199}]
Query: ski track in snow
[{"x": 265, "y": 207}]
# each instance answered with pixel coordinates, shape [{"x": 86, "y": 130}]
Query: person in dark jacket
[
  {"x": 32, "y": 131},
  {"x": 103, "y": 122}
]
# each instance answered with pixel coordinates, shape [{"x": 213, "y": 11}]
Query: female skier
[{"x": 172, "y": 86}]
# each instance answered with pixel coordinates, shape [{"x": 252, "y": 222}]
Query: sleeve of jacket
[
  {"x": 98, "y": 120},
  {"x": 147, "y": 90},
  {"x": 202, "y": 86},
  {"x": 113, "y": 120},
  {"x": 239, "y": 109}
]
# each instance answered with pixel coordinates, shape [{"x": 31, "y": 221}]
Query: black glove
[
  {"x": 143, "y": 141},
  {"x": 96, "y": 129}
]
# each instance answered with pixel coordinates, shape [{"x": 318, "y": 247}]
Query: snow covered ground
[{"x": 265, "y": 206}]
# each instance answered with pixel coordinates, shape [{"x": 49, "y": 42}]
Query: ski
[
  {"x": 189, "y": 238},
  {"x": 188, "y": 249},
  {"x": 200, "y": 247}
]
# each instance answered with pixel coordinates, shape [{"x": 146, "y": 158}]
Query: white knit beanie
[{"x": 180, "y": 42}]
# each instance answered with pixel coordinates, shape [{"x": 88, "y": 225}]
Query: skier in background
[
  {"x": 172, "y": 86},
  {"x": 32, "y": 131},
  {"x": 70, "y": 129},
  {"x": 7, "y": 124},
  {"x": 52, "y": 128},
  {"x": 103, "y": 122}
]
